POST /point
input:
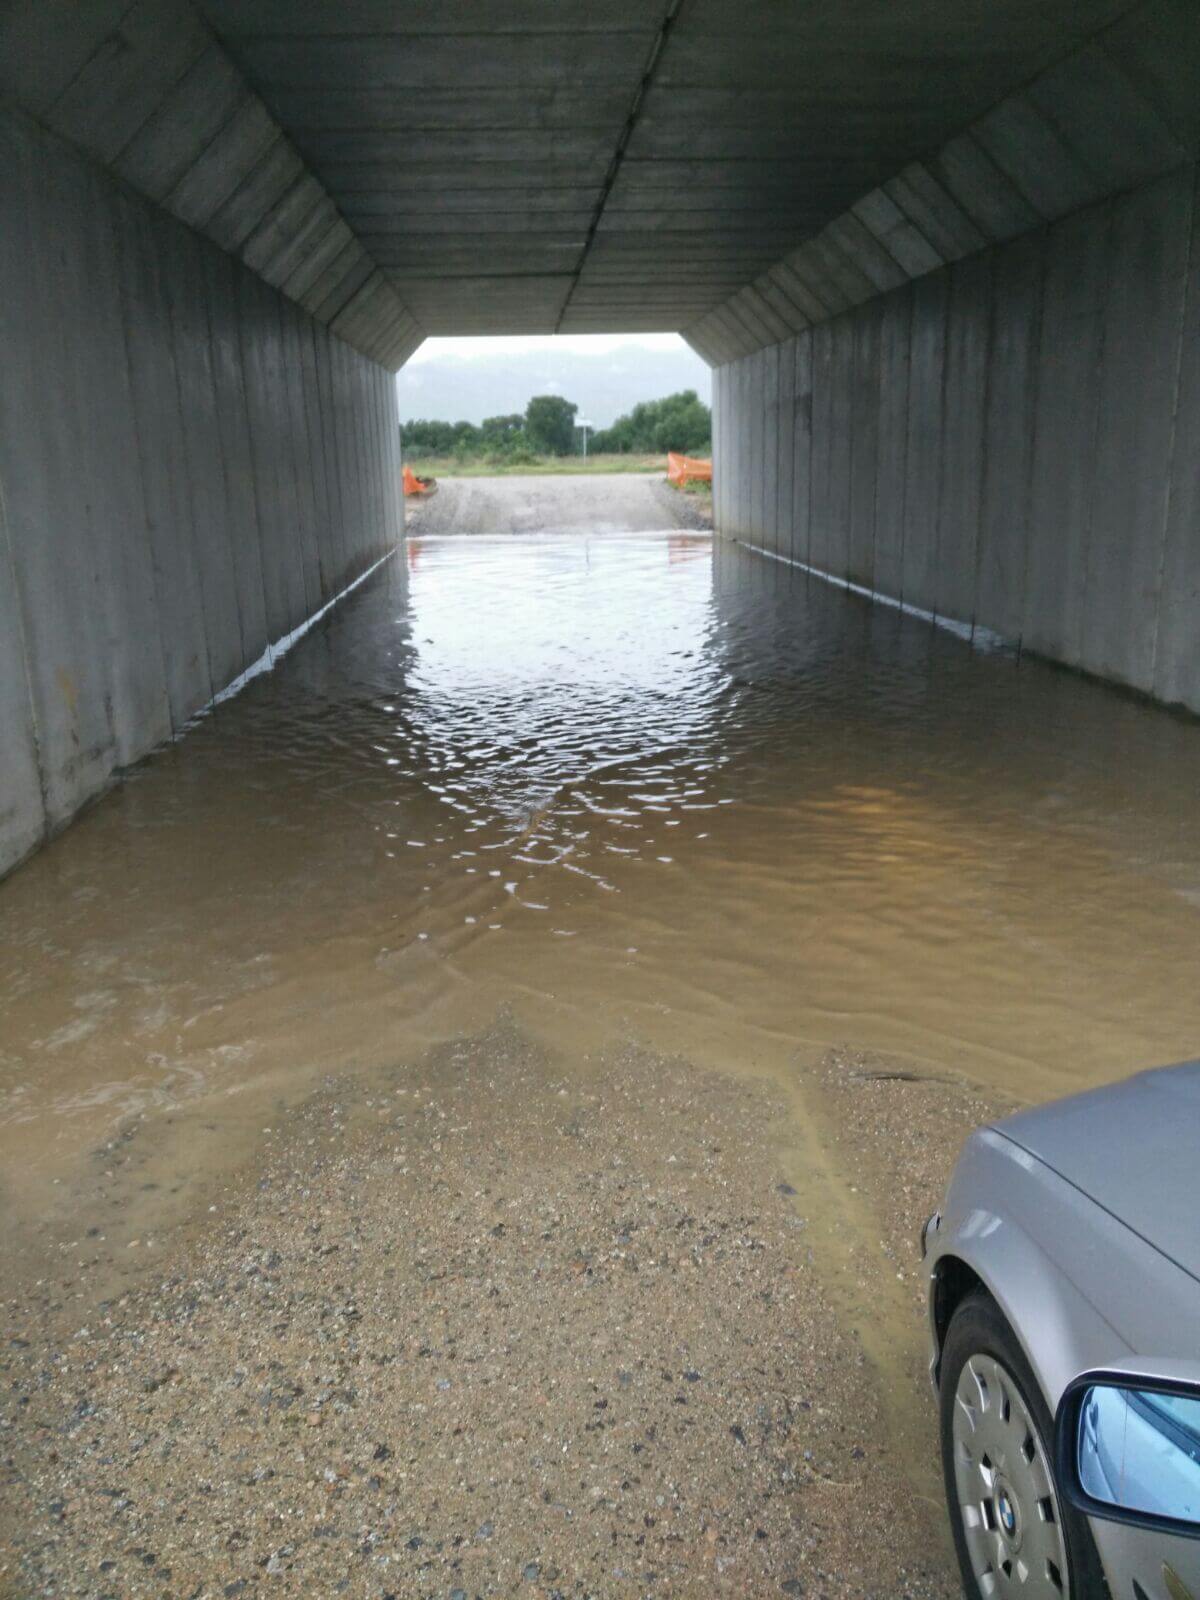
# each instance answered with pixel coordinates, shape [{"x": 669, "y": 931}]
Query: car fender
[
  {"x": 1047, "y": 1253},
  {"x": 1016, "y": 1225}
]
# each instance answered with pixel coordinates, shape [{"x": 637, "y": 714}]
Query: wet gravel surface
[
  {"x": 894, "y": 1134},
  {"x": 897, "y": 1133},
  {"x": 481, "y": 1326}
]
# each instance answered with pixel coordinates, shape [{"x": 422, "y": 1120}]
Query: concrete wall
[
  {"x": 190, "y": 467},
  {"x": 1011, "y": 442}
]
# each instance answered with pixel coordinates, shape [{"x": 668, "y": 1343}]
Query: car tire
[{"x": 1014, "y": 1534}]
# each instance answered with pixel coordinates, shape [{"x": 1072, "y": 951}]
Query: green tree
[
  {"x": 550, "y": 425},
  {"x": 425, "y": 437},
  {"x": 678, "y": 422},
  {"x": 502, "y": 430}
]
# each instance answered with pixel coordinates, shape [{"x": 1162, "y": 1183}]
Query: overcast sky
[
  {"x": 604, "y": 374},
  {"x": 584, "y": 343}
]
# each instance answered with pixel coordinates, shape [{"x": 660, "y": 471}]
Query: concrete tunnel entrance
[
  {"x": 942, "y": 264},
  {"x": 465, "y": 1107}
]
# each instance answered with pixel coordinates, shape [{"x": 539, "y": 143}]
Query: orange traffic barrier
[
  {"x": 681, "y": 468},
  {"x": 415, "y": 485}
]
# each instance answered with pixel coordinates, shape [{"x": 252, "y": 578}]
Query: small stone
[
  {"x": 531, "y": 1572},
  {"x": 785, "y": 1188}
]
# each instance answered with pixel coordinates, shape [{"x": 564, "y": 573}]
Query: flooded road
[{"x": 637, "y": 810}]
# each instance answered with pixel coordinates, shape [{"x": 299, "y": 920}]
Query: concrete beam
[
  {"x": 840, "y": 270},
  {"x": 932, "y": 210},
  {"x": 207, "y": 97},
  {"x": 223, "y": 165},
  {"x": 1043, "y": 166},
  {"x": 897, "y": 233},
  {"x": 985, "y": 194},
  {"x": 860, "y": 246},
  {"x": 699, "y": 344},
  {"x": 129, "y": 74},
  {"x": 789, "y": 314},
  {"x": 789, "y": 280},
  {"x": 1117, "y": 133}
]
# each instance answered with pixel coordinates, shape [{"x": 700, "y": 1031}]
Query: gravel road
[
  {"x": 594, "y": 503},
  {"x": 486, "y": 1325}
]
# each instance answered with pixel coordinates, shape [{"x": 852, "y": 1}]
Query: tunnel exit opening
[{"x": 534, "y": 400}]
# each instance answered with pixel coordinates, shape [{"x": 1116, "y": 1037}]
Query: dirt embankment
[{"x": 583, "y": 503}]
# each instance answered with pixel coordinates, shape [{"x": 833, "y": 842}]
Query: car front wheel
[{"x": 1014, "y": 1534}]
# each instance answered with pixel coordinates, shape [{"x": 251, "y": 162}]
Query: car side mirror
[{"x": 1127, "y": 1449}]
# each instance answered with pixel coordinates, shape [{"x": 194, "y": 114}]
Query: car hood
[{"x": 1133, "y": 1148}]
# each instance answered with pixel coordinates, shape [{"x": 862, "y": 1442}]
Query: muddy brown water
[{"x": 632, "y": 788}]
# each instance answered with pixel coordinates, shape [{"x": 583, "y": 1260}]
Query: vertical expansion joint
[{"x": 670, "y": 16}]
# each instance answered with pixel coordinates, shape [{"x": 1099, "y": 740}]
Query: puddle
[{"x": 632, "y": 791}]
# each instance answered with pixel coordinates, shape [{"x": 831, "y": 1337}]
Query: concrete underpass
[
  {"x": 940, "y": 260},
  {"x": 485, "y": 1005}
]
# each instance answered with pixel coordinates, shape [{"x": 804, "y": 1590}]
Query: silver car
[{"x": 1064, "y": 1302}]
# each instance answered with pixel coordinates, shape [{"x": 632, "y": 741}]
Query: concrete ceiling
[
  {"x": 615, "y": 165},
  {"x": 733, "y": 171}
]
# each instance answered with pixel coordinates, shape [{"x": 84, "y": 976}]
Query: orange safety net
[
  {"x": 415, "y": 485},
  {"x": 681, "y": 468}
]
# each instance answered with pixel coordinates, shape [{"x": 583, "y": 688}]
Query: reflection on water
[{"x": 627, "y": 785}]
